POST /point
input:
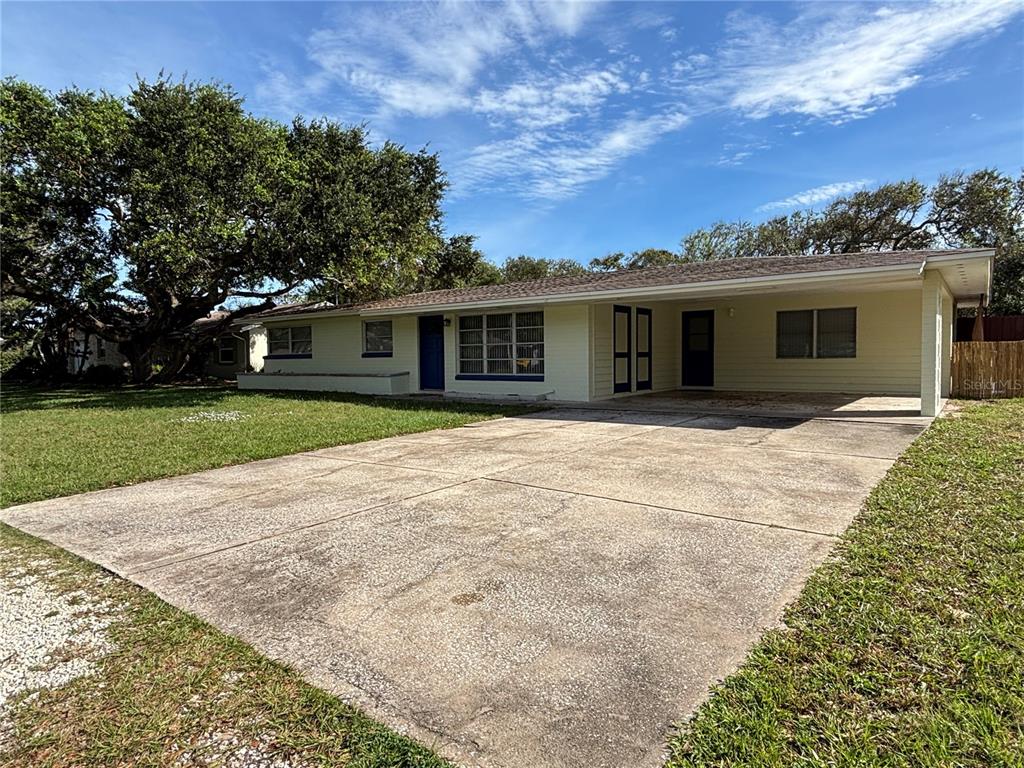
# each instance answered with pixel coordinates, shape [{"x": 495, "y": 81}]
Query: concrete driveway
[{"x": 551, "y": 590}]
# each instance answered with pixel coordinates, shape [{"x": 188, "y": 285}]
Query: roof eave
[
  {"x": 680, "y": 290},
  {"x": 945, "y": 261}
]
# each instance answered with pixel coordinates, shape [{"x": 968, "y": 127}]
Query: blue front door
[{"x": 432, "y": 352}]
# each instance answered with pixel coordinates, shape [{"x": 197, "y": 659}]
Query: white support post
[
  {"x": 931, "y": 343},
  {"x": 948, "y": 325}
]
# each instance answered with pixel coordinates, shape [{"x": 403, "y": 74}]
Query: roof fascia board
[
  {"x": 674, "y": 291},
  {"x": 980, "y": 253}
]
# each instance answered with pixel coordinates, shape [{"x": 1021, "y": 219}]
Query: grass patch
[
  {"x": 172, "y": 681},
  {"x": 60, "y": 442},
  {"x": 907, "y": 647}
]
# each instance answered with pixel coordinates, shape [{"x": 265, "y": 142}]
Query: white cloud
[
  {"x": 542, "y": 166},
  {"x": 816, "y": 195},
  {"x": 549, "y": 101},
  {"x": 425, "y": 59},
  {"x": 735, "y": 153},
  {"x": 840, "y": 63},
  {"x": 557, "y": 119},
  {"x": 565, "y": 125},
  {"x": 734, "y": 158}
]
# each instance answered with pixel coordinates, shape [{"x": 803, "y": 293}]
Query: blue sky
[{"x": 570, "y": 130}]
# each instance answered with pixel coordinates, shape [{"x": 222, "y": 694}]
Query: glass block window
[{"x": 505, "y": 344}]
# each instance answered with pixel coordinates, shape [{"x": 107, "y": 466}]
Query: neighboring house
[
  {"x": 86, "y": 350},
  {"x": 877, "y": 323},
  {"x": 241, "y": 348}
]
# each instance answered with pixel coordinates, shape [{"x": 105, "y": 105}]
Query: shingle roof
[
  {"x": 652, "y": 277},
  {"x": 299, "y": 308}
]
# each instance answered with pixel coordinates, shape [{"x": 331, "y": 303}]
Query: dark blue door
[{"x": 432, "y": 352}]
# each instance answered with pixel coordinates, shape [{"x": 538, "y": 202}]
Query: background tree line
[
  {"x": 132, "y": 217},
  {"x": 980, "y": 209}
]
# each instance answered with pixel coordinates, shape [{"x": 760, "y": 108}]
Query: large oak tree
[{"x": 132, "y": 217}]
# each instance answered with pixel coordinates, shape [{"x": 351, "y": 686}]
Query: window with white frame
[
  {"x": 378, "y": 338},
  {"x": 506, "y": 344},
  {"x": 101, "y": 348},
  {"x": 291, "y": 341},
  {"x": 226, "y": 350},
  {"x": 816, "y": 333}
]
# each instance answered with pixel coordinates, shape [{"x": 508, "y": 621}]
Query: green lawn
[
  {"x": 907, "y": 647},
  {"x": 56, "y": 443}
]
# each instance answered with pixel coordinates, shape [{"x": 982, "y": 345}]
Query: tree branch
[{"x": 265, "y": 294}]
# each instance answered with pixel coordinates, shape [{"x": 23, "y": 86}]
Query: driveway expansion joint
[
  {"x": 678, "y": 510},
  {"x": 285, "y": 532}
]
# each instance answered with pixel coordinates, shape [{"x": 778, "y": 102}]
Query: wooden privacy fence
[
  {"x": 997, "y": 328},
  {"x": 983, "y": 369}
]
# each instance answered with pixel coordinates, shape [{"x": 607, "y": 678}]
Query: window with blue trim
[{"x": 506, "y": 344}]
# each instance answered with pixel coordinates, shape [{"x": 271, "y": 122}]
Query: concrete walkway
[{"x": 551, "y": 590}]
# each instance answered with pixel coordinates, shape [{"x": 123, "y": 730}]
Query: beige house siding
[
  {"x": 665, "y": 329},
  {"x": 601, "y": 350},
  {"x": 888, "y": 344},
  {"x": 578, "y": 346},
  {"x": 338, "y": 348},
  {"x": 566, "y": 357}
]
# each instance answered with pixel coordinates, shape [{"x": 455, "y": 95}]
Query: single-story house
[
  {"x": 872, "y": 323},
  {"x": 241, "y": 347}
]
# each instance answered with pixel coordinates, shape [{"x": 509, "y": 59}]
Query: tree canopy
[
  {"x": 980, "y": 209},
  {"x": 649, "y": 257},
  {"x": 519, "y": 268},
  {"x": 133, "y": 217}
]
